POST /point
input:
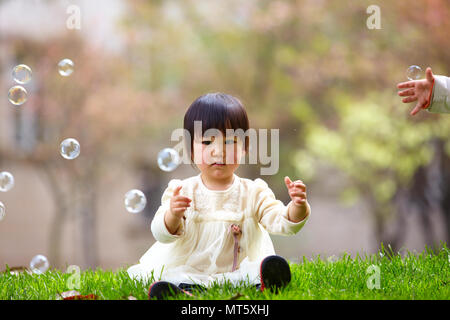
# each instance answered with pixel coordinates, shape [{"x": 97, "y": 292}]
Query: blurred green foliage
[{"x": 313, "y": 69}]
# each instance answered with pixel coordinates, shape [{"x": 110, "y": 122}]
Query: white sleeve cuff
[
  {"x": 440, "y": 102},
  {"x": 160, "y": 231},
  {"x": 294, "y": 227}
]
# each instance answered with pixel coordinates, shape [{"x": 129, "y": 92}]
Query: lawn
[{"x": 424, "y": 275}]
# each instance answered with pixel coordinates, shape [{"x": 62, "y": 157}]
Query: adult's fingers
[
  {"x": 409, "y": 99},
  {"x": 407, "y": 92},
  {"x": 429, "y": 74},
  {"x": 407, "y": 84},
  {"x": 417, "y": 108}
]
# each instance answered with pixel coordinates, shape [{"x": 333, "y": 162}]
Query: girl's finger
[
  {"x": 176, "y": 192},
  {"x": 287, "y": 181},
  {"x": 300, "y": 186},
  {"x": 179, "y": 204},
  {"x": 408, "y": 84},
  {"x": 300, "y": 201},
  {"x": 298, "y": 194},
  {"x": 407, "y": 92},
  {"x": 181, "y": 198},
  {"x": 179, "y": 209}
]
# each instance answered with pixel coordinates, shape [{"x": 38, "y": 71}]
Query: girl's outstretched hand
[
  {"x": 418, "y": 90},
  {"x": 178, "y": 203},
  {"x": 297, "y": 191}
]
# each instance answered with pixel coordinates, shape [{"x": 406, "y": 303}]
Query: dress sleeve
[
  {"x": 440, "y": 101},
  {"x": 272, "y": 214},
  {"x": 158, "y": 227}
]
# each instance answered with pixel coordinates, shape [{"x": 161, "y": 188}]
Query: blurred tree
[
  {"x": 315, "y": 70},
  {"x": 311, "y": 68},
  {"x": 95, "y": 106}
]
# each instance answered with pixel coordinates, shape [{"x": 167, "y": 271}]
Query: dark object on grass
[
  {"x": 163, "y": 289},
  {"x": 275, "y": 273}
]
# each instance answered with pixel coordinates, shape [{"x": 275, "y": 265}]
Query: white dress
[{"x": 202, "y": 251}]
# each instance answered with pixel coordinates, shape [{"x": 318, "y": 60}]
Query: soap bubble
[
  {"x": 2, "y": 211},
  {"x": 22, "y": 74},
  {"x": 168, "y": 159},
  {"x": 6, "y": 181},
  {"x": 17, "y": 95},
  {"x": 70, "y": 148},
  {"x": 39, "y": 264},
  {"x": 414, "y": 73},
  {"x": 135, "y": 201},
  {"x": 65, "y": 67}
]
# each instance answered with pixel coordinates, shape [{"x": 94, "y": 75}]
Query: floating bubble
[
  {"x": 2, "y": 211},
  {"x": 39, "y": 264},
  {"x": 65, "y": 67},
  {"x": 70, "y": 149},
  {"x": 22, "y": 74},
  {"x": 17, "y": 95},
  {"x": 6, "y": 181},
  {"x": 168, "y": 159},
  {"x": 414, "y": 73},
  {"x": 135, "y": 201}
]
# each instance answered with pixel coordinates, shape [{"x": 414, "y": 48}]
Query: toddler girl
[{"x": 215, "y": 226}]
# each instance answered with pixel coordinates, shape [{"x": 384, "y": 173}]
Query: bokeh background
[{"x": 312, "y": 69}]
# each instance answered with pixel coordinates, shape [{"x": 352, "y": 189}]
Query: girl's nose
[{"x": 217, "y": 150}]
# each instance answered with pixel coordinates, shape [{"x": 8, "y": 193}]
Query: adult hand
[{"x": 417, "y": 90}]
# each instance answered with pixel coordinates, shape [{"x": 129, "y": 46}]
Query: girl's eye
[{"x": 229, "y": 141}]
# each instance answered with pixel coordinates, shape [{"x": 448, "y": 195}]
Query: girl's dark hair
[{"x": 215, "y": 110}]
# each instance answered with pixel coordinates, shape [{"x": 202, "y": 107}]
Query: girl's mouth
[{"x": 218, "y": 164}]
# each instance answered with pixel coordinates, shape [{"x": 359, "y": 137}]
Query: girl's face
[{"x": 218, "y": 157}]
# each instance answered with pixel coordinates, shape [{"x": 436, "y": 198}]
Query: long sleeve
[
  {"x": 440, "y": 101},
  {"x": 158, "y": 227},
  {"x": 272, "y": 213}
]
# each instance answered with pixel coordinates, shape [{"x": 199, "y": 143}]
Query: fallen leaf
[
  {"x": 68, "y": 294},
  {"x": 75, "y": 295},
  {"x": 236, "y": 296}
]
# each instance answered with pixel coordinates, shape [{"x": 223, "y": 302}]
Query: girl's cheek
[
  {"x": 232, "y": 154},
  {"x": 206, "y": 154},
  {"x": 198, "y": 154}
]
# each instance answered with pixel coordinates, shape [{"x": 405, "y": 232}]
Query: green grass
[{"x": 424, "y": 275}]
